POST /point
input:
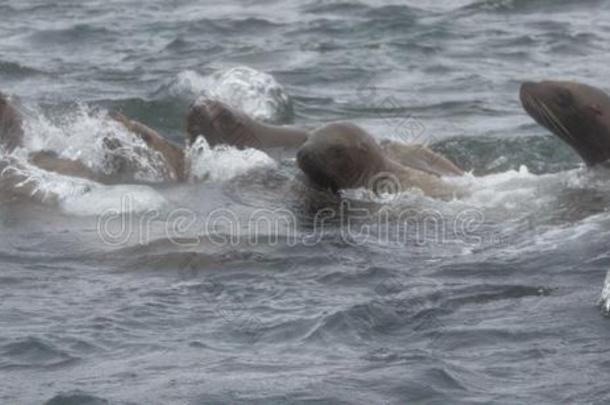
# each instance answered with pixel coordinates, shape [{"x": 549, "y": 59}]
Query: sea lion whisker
[
  {"x": 547, "y": 116},
  {"x": 557, "y": 123}
]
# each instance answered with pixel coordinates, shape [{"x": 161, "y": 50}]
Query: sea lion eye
[{"x": 564, "y": 98}]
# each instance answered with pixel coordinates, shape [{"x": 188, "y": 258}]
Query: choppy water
[{"x": 232, "y": 290}]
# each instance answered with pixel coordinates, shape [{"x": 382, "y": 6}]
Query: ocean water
[{"x": 247, "y": 286}]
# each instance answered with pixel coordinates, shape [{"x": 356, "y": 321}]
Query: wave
[
  {"x": 16, "y": 70},
  {"x": 525, "y": 6},
  {"x": 256, "y": 93},
  {"x": 224, "y": 162},
  {"x": 229, "y": 26},
  {"x": 79, "y": 34},
  {"x": 76, "y": 398},
  {"x": 336, "y": 7},
  {"x": 32, "y": 352}
]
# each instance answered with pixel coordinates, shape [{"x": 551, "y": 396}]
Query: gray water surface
[{"x": 489, "y": 299}]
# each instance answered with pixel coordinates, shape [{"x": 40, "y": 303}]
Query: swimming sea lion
[
  {"x": 11, "y": 137},
  {"x": 577, "y": 113},
  {"x": 220, "y": 124},
  {"x": 343, "y": 156},
  {"x": 172, "y": 153}
]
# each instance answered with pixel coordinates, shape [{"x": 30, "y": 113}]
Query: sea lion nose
[
  {"x": 527, "y": 88},
  {"x": 305, "y": 160},
  {"x": 527, "y": 91}
]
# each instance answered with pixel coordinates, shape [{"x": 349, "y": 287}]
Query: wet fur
[{"x": 576, "y": 113}]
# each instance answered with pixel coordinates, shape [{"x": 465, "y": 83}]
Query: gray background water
[{"x": 509, "y": 318}]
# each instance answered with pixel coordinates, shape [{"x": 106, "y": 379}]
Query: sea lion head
[
  {"x": 217, "y": 122},
  {"x": 340, "y": 155},
  {"x": 577, "y": 113}
]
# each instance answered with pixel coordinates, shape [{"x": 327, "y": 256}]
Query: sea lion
[
  {"x": 172, "y": 154},
  {"x": 220, "y": 124},
  {"x": 13, "y": 180},
  {"x": 342, "y": 155},
  {"x": 11, "y": 131},
  {"x": 577, "y": 113},
  {"x": 11, "y": 137}
]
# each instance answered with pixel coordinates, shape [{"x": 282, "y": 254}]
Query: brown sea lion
[
  {"x": 11, "y": 137},
  {"x": 13, "y": 180},
  {"x": 577, "y": 113},
  {"x": 343, "y": 156},
  {"x": 172, "y": 153},
  {"x": 220, "y": 124}
]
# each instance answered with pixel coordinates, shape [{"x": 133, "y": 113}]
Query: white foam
[
  {"x": 119, "y": 199},
  {"x": 79, "y": 136},
  {"x": 502, "y": 190},
  {"x": 84, "y": 134},
  {"x": 223, "y": 162},
  {"x": 256, "y": 93},
  {"x": 41, "y": 184},
  {"x": 77, "y": 196},
  {"x": 513, "y": 189}
]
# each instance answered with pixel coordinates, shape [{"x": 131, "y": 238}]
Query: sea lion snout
[
  {"x": 527, "y": 89},
  {"x": 535, "y": 92}
]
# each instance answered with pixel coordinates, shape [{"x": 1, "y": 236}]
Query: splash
[
  {"x": 99, "y": 142},
  {"x": 76, "y": 196},
  {"x": 82, "y": 135},
  {"x": 507, "y": 190},
  {"x": 118, "y": 199},
  {"x": 256, "y": 93},
  {"x": 223, "y": 162}
]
